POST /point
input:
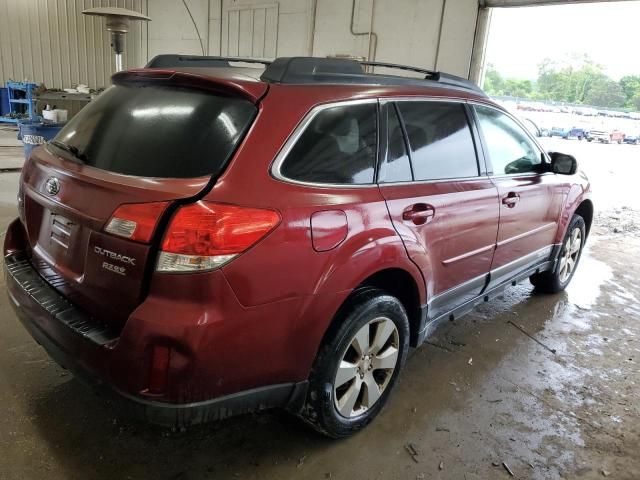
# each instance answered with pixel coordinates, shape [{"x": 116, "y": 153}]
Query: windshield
[{"x": 157, "y": 131}]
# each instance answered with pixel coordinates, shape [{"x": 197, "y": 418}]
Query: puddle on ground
[{"x": 586, "y": 285}]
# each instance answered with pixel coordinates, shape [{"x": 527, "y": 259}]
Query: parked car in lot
[
  {"x": 588, "y": 112},
  {"x": 617, "y": 136},
  {"x": 209, "y": 240},
  {"x": 566, "y": 133},
  {"x": 604, "y": 136},
  {"x": 632, "y": 139}
]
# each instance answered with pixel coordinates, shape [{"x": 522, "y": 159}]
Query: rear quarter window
[
  {"x": 155, "y": 131},
  {"x": 440, "y": 140},
  {"x": 338, "y": 146}
]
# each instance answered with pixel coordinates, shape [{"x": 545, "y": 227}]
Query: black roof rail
[
  {"x": 198, "y": 61},
  {"x": 308, "y": 70},
  {"x": 429, "y": 74},
  {"x": 314, "y": 70},
  {"x": 440, "y": 77},
  {"x": 311, "y": 70}
]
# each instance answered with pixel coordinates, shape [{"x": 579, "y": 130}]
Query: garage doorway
[{"x": 569, "y": 73}]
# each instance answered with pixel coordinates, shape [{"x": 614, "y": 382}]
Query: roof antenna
[{"x": 118, "y": 21}]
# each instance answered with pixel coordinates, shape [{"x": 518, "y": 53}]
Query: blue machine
[{"x": 21, "y": 102}]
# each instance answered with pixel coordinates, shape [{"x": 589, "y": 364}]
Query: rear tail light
[
  {"x": 136, "y": 221},
  {"x": 204, "y": 235}
]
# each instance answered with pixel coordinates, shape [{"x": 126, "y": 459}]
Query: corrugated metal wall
[
  {"x": 250, "y": 30},
  {"x": 51, "y": 41}
]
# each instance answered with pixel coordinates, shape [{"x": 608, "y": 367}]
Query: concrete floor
[{"x": 480, "y": 394}]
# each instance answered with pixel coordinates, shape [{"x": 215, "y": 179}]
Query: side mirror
[{"x": 563, "y": 164}]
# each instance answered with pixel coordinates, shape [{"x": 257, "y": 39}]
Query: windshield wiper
[{"x": 71, "y": 149}]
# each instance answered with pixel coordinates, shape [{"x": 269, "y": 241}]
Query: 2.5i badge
[{"x": 119, "y": 260}]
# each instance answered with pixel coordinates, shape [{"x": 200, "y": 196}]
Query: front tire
[
  {"x": 556, "y": 280},
  {"x": 358, "y": 364}
]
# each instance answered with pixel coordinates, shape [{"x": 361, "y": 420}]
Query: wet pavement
[{"x": 480, "y": 396}]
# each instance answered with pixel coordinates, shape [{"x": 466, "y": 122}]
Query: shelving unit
[{"x": 20, "y": 93}]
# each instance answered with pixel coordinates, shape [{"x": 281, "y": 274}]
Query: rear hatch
[{"x": 141, "y": 148}]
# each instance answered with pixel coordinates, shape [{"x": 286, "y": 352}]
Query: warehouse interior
[
  {"x": 440, "y": 35},
  {"x": 528, "y": 386}
]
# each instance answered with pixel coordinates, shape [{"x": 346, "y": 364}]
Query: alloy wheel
[
  {"x": 366, "y": 367},
  {"x": 569, "y": 259}
]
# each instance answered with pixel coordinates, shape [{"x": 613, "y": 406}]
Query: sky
[{"x": 520, "y": 38}]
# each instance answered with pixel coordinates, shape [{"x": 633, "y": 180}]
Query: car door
[
  {"x": 442, "y": 205},
  {"x": 531, "y": 197}
]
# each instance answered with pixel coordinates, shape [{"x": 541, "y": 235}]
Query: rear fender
[
  {"x": 363, "y": 255},
  {"x": 360, "y": 257}
]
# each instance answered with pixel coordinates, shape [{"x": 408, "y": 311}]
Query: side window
[
  {"x": 440, "y": 140},
  {"x": 510, "y": 149},
  {"x": 396, "y": 166},
  {"x": 338, "y": 146}
]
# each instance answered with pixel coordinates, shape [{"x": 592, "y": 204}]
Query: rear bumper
[
  {"x": 84, "y": 347},
  {"x": 53, "y": 322},
  {"x": 224, "y": 358}
]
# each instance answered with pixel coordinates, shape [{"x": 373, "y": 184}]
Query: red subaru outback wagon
[{"x": 208, "y": 238}]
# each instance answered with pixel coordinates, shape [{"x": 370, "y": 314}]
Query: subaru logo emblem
[{"x": 52, "y": 186}]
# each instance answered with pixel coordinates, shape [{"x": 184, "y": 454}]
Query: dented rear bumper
[{"x": 119, "y": 362}]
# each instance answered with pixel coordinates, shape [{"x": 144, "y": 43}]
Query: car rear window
[
  {"x": 338, "y": 146},
  {"x": 155, "y": 131}
]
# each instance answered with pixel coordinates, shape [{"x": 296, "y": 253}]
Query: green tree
[
  {"x": 577, "y": 79},
  {"x": 631, "y": 88},
  {"x": 604, "y": 92},
  {"x": 569, "y": 82},
  {"x": 495, "y": 84},
  {"x": 518, "y": 88},
  {"x": 493, "y": 81},
  {"x": 550, "y": 83}
]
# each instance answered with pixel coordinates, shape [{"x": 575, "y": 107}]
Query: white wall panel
[
  {"x": 250, "y": 30},
  {"x": 171, "y": 29},
  {"x": 425, "y": 33},
  {"x": 51, "y": 42},
  {"x": 458, "y": 29}
]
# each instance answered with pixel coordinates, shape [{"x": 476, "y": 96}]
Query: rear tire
[
  {"x": 358, "y": 364},
  {"x": 556, "y": 280}
]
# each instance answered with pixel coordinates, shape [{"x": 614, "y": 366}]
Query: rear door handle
[
  {"x": 419, "y": 214},
  {"x": 511, "y": 199}
]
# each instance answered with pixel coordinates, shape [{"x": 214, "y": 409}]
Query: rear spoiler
[{"x": 252, "y": 91}]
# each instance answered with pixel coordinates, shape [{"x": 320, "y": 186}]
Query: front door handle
[
  {"x": 511, "y": 199},
  {"x": 419, "y": 214}
]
